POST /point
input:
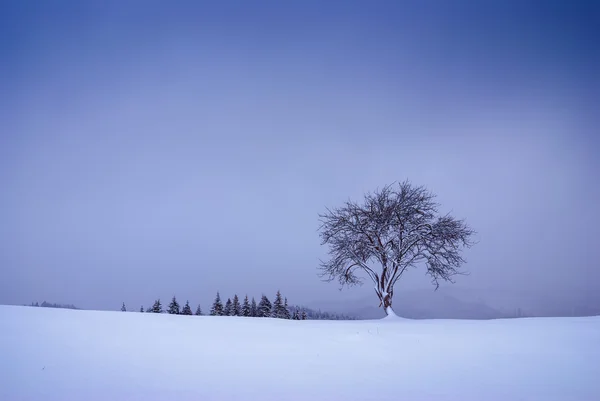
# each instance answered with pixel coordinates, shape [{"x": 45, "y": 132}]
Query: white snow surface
[{"x": 54, "y": 354}]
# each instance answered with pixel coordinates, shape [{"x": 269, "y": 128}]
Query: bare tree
[{"x": 395, "y": 228}]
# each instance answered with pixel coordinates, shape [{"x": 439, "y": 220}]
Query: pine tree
[
  {"x": 304, "y": 316},
  {"x": 157, "y": 307},
  {"x": 199, "y": 311},
  {"x": 296, "y": 315},
  {"x": 228, "y": 310},
  {"x": 123, "y": 308},
  {"x": 246, "y": 307},
  {"x": 217, "y": 307},
  {"x": 235, "y": 307},
  {"x": 142, "y": 308},
  {"x": 277, "y": 310},
  {"x": 264, "y": 307},
  {"x": 286, "y": 311},
  {"x": 186, "y": 309},
  {"x": 253, "y": 308},
  {"x": 174, "y": 307}
]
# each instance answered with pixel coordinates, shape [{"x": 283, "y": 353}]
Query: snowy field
[{"x": 63, "y": 355}]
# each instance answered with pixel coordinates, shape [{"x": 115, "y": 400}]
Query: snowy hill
[{"x": 55, "y": 354}]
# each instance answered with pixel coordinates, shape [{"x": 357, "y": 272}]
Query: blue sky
[{"x": 149, "y": 149}]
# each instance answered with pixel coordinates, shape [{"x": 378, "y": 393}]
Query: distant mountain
[
  {"x": 453, "y": 302},
  {"x": 418, "y": 304},
  {"x": 440, "y": 305},
  {"x": 532, "y": 302}
]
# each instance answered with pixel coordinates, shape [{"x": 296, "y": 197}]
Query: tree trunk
[
  {"x": 387, "y": 305},
  {"x": 385, "y": 300}
]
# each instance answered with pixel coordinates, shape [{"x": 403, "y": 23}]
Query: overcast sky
[{"x": 148, "y": 151}]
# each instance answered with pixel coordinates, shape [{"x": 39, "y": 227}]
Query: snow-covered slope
[{"x": 52, "y": 354}]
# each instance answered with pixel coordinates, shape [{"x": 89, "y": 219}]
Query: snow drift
[{"x": 52, "y": 355}]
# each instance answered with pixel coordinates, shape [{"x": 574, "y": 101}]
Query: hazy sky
[{"x": 156, "y": 148}]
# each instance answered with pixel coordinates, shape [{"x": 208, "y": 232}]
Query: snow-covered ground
[{"x": 53, "y": 354}]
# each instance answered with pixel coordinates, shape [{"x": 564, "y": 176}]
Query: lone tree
[{"x": 394, "y": 229}]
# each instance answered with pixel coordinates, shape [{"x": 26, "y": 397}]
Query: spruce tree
[
  {"x": 286, "y": 311},
  {"x": 228, "y": 310},
  {"x": 253, "y": 308},
  {"x": 142, "y": 308},
  {"x": 236, "y": 309},
  {"x": 157, "y": 307},
  {"x": 246, "y": 307},
  {"x": 217, "y": 307},
  {"x": 264, "y": 307},
  {"x": 296, "y": 315},
  {"x": 174, "y": 307},
  {"x": 199, "y": 311},
  {"x": 186, "y": 309},
  {"x": 277, "y": 310},
  {"x": 304, "y": 315},
  {"x": 123, "y": 308}
]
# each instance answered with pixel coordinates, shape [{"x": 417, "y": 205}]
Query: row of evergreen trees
[
  {"x": 173, "y": 308},
  {"x": 321, "y": 315},
  {"x": 52, "y": 305},
  {"x": 277, "y": 309}
]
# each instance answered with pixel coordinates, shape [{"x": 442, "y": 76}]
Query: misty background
[{"x": 150, "y": 150}]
